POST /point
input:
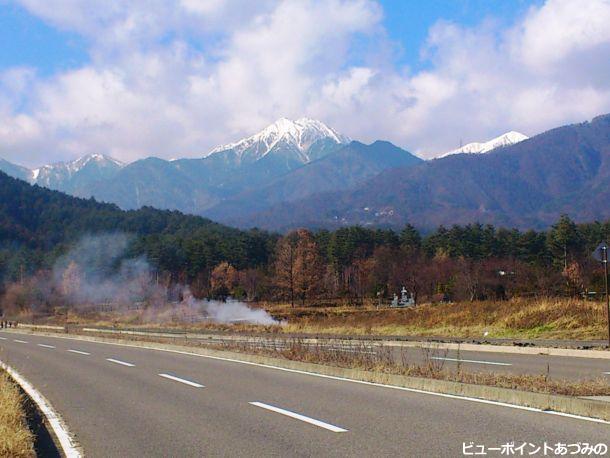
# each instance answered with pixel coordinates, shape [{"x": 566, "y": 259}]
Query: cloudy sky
[{"x": 175, "y": 78}]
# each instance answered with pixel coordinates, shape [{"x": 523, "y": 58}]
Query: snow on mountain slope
[
  {"x": 99, "y": 159},
  {"x": 68, "y": 169},
  {"x": 57, "y": 175},
  {"x": 296, "y": 136},
  {"x": 509, "y": 138}
]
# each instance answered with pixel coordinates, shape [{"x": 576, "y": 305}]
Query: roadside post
[{"x": 601, "y": 254}]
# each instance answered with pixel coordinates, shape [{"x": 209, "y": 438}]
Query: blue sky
[
  {"x": 174, "y": 78},
  {"x": 26, "y": 40},
  {"x": 408, "y": 21}
]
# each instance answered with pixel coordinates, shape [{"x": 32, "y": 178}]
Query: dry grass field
[
  {"x": 535, "y": 318},
  {"x": 554, "y": 318},
  {"x": 16, "y": 441}
]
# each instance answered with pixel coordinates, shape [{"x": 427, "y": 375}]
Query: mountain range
[
  {"x": 526, "y": 185},
  {"x": 304, "y": 173},
  {"x": 305, "y": 150},
  {"x": 507, "y": 139}
]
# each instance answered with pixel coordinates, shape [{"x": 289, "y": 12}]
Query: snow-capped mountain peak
[
  {"x": 299, "y": 135},
  {"x": 52, "y": 175},
  {"x": 78, "y": 164},
  {"x": 509, "y": 138}
]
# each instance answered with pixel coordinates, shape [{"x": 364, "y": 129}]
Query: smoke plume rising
[{"x": 98, "y": 273}]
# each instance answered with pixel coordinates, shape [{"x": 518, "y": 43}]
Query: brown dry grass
[
  {"x": 553, "y": 318},
  {"x": 533, "y": 318},
  {"x": 139, "y": 319},
  {"x": 385, "y": 361},
  {"x": 16, "y": 440}
]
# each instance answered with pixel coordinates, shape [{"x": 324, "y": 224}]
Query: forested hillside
[{"x": 38, "y": 226}]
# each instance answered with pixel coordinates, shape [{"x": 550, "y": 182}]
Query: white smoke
[
  {"x": 98, "y": 271},
  {"x": 234, "y": 311}
]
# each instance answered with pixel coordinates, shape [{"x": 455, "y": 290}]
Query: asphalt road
[
  {"x": 117, "y": 404},
  {"x": 555, "y": 367}
]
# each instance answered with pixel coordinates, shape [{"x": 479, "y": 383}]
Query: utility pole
[
  {"x": 291, "y": 274},
  {"x": 601, "y": 254},
  {"x": 605, "y": 261}
]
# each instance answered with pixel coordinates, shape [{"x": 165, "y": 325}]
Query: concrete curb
[{"x": 589, "y": 408}]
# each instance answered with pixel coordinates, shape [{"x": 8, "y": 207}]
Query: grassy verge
[{"x": 16, "y": 440}]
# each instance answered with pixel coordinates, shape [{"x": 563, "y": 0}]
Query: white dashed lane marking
[
  {"x": 79, "y": 352},
  {"x": 118, "y": 361},
  {"x": 181, "y": 380},
  {"x": 475, "y": 361},
  {"x": 297, "y": 416}
]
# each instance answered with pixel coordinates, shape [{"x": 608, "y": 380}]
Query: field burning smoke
[
  {"x": 96, "y": 270},
  {"x": 98, "y": 273}
]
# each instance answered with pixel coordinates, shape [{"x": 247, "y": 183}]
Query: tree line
[
  {"x": 471, "y": 262},
  {"x": 38, "y": 226}
]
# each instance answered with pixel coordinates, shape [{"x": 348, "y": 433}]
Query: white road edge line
[
  {"x": 3, "y": 338},
  {"x": 181, "y": 380},
  {"x": 45, "y": 346},
  {"x": 607, "y": 373},
  {"x": 79, "y": 352},
  {"x": 288, "y": 413},
  {"x": 471, "y": 361},
  {"x": 343, "y": 379},
  {"x": 118, "y": 361},
  {"x": 19, "y": 341},
  {"x": 57, "y": 424}
]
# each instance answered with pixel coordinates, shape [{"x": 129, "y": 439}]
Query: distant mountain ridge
[
  {"x": 343, "y": 169},
  {"x": 75, "y": 176},
  {"x": 242, "y": 168},
  {"x": 299, "y": 136},
  {"x": 305, "y": 174},
  {"x": 525, "y": 185},
  {"x": 507, "y": 139},
  {"x": 66, "y": 176},
  {"x": 16, "y": 171}
]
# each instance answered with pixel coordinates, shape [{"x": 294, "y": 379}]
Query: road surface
[
  {"x": 483, "y": 360},
  {"x": 557, "y": 367},
  {"x": 125, "y": 401}
]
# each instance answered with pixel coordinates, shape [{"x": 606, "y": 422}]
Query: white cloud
[
  {"x": 560, "y": 28},
  {"x": 175, "y": 79},
  {"x": 552, "y": 67}
]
